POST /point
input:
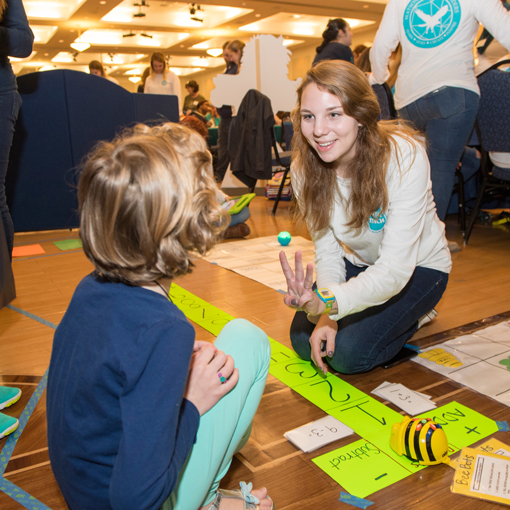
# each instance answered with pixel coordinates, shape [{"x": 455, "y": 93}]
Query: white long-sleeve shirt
[
  {"x": 168, "y": 84},
  {"x": 410, "y": 235},
  {"x": 437, "y": 43}
]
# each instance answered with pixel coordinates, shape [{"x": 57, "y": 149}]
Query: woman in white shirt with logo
[
  {"x": 161, "y": 80},
  {"x": 363, "y": 188}
]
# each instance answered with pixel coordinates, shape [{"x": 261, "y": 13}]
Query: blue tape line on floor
[
  {"x": 32, "y": 316},
  {"x": 354, "y": 501},
  {"x": 9, "y": 445},
  {"x": 20, "y": 496},
  {"x": 503, "y": 426}
]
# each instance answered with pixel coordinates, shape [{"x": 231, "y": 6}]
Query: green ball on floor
[{"x": 284, "y": 238}]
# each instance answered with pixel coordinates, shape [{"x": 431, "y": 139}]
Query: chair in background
[
  {"x": 493, "y": 127},
  {"x": 251, "y": 138},
  {"x": 252, "y": 143},
  {"x": 283, "y": 159}
]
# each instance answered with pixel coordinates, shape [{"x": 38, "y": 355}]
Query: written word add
[
  {"x": 459, "y": 422},
  {"x": 361, "y": 468}
]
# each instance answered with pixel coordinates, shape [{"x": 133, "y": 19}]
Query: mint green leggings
[{"x": 224, "y": 429}]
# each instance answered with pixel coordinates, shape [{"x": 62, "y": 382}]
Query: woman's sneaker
[
  {"x": 427, "y": 318},
  {"x": 8, "y": 425},
  {"x": 9, "y": 396}
]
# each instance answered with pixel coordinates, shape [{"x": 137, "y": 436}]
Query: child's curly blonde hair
[{"x": 147, "y": 200}]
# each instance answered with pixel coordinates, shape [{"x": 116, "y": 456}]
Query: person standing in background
[
  {"x": 16, "y": 40},
  {"x": 336, "y": 41},
  {"x": 232, "y": 53},
  {"x": 161, "y": 80},
  {"x": 97, "y": 69},
  {"x": 436, "y": 88}
]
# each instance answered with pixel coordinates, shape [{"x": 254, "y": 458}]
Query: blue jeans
[
  {"x": 373, "y": 336},
  {"x": 10, "y": 103},
  {"x": 447, "y": 117},
  {"x": 240, "y": 217}
]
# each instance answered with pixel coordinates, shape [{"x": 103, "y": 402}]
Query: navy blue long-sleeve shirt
[
  {"x": 16, "y": 40},
  {"x": 119, "y": 429}
]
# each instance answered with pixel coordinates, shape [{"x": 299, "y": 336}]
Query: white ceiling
[{"x": 123, "y": 34}]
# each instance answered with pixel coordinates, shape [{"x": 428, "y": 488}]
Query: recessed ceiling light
[
  {"x": 80, "y": 46},
  {"x": 102, "y": 2},
  {"x": 214, "y": 52},
  {"x": 61, "y": 41},
  {"x": 257, "y": 15}
]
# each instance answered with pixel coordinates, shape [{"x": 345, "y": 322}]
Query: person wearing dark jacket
[
  {"x": 16, "y": 40},
  {"x": 336, "y": 40}
]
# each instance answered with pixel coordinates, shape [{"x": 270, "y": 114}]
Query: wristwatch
[{"x": 327, "y": 296}]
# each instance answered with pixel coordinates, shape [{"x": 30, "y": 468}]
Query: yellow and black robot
[{"x": 419, "y": 439}]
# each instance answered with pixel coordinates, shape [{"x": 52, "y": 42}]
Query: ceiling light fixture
[
  {"x": 141, "y": 5},
  {"x": 214, "y": 52},
  {"x": 193, "y": 13},
  {"x": 78, "y": 45},
  {"x": 134, "y": 79}
]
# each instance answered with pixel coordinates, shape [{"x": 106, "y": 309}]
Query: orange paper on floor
[{"x": 25, "y": 251}]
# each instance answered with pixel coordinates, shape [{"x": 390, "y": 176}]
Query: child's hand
[
  {"x": 207, "y": 369},
  {"x": 202, "y": 344},
  {"x": 299, "y": 286}
]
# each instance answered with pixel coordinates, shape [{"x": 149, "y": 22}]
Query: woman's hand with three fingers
[
  {"x": 211, "y": 376},
  {"x": 299, "y": 286}
]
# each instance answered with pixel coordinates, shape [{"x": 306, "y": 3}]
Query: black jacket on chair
[{"x": 250, "y": 141}]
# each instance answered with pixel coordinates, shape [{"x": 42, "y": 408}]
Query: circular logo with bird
[{"x": 429, "y": 23}]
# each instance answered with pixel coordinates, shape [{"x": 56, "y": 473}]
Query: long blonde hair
[{"x": 317, "y": 180}]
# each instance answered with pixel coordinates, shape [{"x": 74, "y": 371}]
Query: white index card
[
  {"x": 408, "y": 400},
  {"x": 317, "y": 434}
]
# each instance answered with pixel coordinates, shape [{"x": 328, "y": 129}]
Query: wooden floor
[{"x": 478, "y": 293}]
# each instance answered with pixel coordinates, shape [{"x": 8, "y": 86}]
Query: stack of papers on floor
[{"x": 412, "y": 402}]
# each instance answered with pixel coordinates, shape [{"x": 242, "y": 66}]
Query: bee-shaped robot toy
[{"x": 422, "y": 440}]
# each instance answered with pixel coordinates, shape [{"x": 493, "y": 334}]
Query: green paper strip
[
  {"x": 382, "y": 441},
  {"x": 209, "y": 317},
  {"x": 68, "y": 244},
  {"x": 361, "y": 468},
  {"x": 364, "y": 414}
]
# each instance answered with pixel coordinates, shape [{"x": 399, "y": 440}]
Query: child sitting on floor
[{"x": 140, "y": 415}]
